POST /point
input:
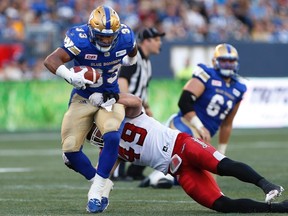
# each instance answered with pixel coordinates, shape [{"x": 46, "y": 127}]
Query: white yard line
[
  {"x": 6, "y": 137},
  {"x": 30, "y": 152},
  {"x": 51, "y": 152}
]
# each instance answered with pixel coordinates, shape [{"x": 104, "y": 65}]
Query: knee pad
[
  {"x": 111, "y": 124},
  {"x": 70, "y": 144},
  {"x": 110, "y": 121}
]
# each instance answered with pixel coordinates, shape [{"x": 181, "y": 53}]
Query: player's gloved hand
[
  {"x": 96, "y": 99},
  {"x": 103, "y": 99},
  {"x": 75, "y": 79},
  {"x": 78, "y": 80},
  {"x": 109, "y": 99}
]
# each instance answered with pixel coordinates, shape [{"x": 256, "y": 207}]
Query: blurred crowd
[{"x": 29, "y": 28}]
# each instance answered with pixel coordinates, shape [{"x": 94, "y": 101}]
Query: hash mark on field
[{"x": 5, "y": 170}]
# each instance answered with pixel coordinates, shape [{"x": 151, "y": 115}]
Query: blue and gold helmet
[
  {"x": 225, "y": 60},
  {"x": 104, "y": 25}
]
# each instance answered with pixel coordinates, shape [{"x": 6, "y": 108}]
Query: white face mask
[
  {"x": 103, "y": 45},
  {"x": 226, "y": 73},
  {"x": 227, "y": 68},
  {"x": 103, "y": 49}
]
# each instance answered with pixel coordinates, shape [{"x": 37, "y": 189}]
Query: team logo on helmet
[{"x": 104, "y": 25}]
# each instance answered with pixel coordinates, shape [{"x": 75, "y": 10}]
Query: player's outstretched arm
[
  {"x": 55, "y": 64},
  {"x": 56, "y": 59},
  {"x": 132, "y": 103}
]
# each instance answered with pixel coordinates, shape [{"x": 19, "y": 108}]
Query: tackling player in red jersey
[{"x": 147, "y": 142}]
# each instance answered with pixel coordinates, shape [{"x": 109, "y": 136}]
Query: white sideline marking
[{"x": 5, "y": 170}]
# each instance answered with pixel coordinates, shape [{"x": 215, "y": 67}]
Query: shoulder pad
[
  {"x": 76, "y": 39},
  {"x": 197, "y": 70},
  {"x": 201, "y": 74},
  {"x": 127, "y": 35}
]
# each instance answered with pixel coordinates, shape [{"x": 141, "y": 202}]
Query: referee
[{"x": 135, "y": 79}]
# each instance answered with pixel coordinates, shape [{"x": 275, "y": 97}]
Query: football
[{"x": 92, "y": 74}]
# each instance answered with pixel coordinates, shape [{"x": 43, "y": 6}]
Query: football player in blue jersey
[
  {"x": 105, "y": 44},
  {"x": 210, "y": 100}
]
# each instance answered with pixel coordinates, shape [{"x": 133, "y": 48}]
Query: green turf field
[{"x": 34, "y": 180}]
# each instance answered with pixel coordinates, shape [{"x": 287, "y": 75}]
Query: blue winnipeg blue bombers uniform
[
  {"x": 102, "y": 44},
  {"x": 83, "y": 52},
  {"x": 216, "y": 102},
  {"x": 79, "y": 118}
]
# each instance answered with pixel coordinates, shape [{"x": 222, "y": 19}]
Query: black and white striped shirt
[{"x": 138, "y": 76}]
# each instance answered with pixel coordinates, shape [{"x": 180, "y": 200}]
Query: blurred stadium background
[
  {"x": 33, "y": 101},
  {"x": 30, "y": 30}
]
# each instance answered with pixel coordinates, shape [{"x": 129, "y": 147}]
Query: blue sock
[
  {"x": 81, "y": 164},
  {"x": 109, "y": 153}
]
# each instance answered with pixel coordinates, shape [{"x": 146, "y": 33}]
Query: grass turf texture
[{"x": 47, "y": 187}]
